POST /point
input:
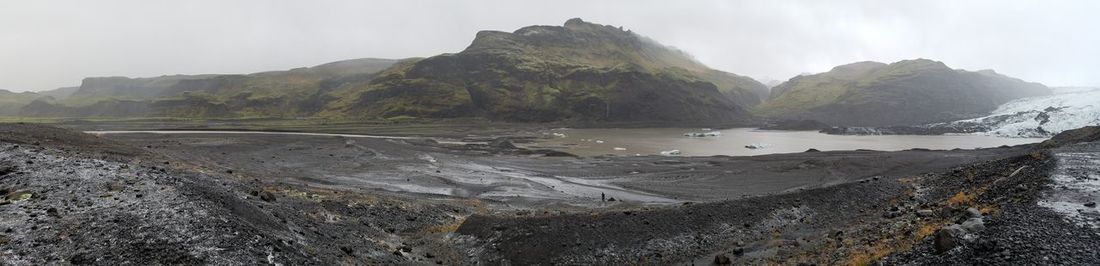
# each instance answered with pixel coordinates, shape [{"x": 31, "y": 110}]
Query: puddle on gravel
[{"x": 1076, "y": 182}]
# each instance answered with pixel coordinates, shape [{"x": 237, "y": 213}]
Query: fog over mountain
[{"x": 52, "y": 44}]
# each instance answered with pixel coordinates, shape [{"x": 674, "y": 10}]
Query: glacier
[{"x": 1043, "y": 116}]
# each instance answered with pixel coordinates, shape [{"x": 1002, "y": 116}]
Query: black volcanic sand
[
  {"x": 72, "y": 198},
  {"x": 293, "y": 200}
]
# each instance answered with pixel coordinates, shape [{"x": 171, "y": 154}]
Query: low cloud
[{"x": 49, "y": 44}]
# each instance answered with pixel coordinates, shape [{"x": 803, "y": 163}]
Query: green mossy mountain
[
  {"x": 909, "y": 92},
  {"x": 577, "y": 72},
  {"x": 581, "y": 72},
  {"x": 12, "y": 102},
  {"x": 292, "y": 93}
]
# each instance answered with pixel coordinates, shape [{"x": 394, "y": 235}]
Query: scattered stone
[{"x": 925, "y": 213}]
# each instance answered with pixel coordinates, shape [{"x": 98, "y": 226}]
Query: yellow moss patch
[
  {"x": 961, "y": 198},
  {"x": 444, "y": 228},
  {"x": 1037, "y": 155},
  {"x": 873, "y": 253}
]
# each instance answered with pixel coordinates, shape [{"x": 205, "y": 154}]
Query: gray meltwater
[{"x": 733, "y": 142}]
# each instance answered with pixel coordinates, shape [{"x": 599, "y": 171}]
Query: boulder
[
  {"x": 6, "y": 169},
  {"x": 267, "y": 196},
  {"x": 973, "y": 213},
  {"x": 973, "y": 225},
  {"x": 947, "y": 238},
  {"x": 722, "y": 259}
]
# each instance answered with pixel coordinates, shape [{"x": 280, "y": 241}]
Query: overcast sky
[{"x": 49, "y": 44}]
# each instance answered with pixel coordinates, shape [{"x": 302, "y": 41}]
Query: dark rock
[
  {"x": 267, "y": 196},
  {"x": 1090, "y": 204},
  {"x": 1084, "y": 134},
  {"x": 7, "y": 169},
  {"x": 813, "y": 150},
  {"x": 722, "y": 259},
  {"x": 805, "y": 124},
  {"x": 947, "y": 238}
]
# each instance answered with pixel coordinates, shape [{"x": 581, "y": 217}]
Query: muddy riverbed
[{"x": 404, "y": 165}]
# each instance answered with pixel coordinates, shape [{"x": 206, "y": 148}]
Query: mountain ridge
[
  {"x": 580, "y": 71},
  {"x": 907, "y": 92}
]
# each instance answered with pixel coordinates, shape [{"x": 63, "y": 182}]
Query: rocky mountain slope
[
  {"x": 577, "y": 72},
  {"x": 1032, "y": 117},
  {"x": 909, "y": 92}
]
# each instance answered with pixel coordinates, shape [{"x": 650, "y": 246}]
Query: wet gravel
[{"x": 72, "y": 198}]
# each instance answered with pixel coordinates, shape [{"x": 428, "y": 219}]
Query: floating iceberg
[
  {"x": 703, "y": 134},
  {"x": 755, "y": 146},
  {"x": 669, "y": 153}
]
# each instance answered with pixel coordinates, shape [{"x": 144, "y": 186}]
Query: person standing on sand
[{"x": 603, "y": 197}]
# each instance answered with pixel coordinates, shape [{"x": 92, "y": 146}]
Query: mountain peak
[
  {"x": 575, "y": 22},
  {"x": 858, "y": 66},
  {"x": 920, "y": 63}
]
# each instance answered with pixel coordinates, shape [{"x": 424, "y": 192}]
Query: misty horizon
[{"x": 49, "y": 45}]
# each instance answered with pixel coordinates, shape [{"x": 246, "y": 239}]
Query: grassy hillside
[
  {"x": 903, "y": 93},
  {"x": 12, "y": 102},
  {"x": 577, "y": 72},
  {"x": 292, "y": 93}
]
